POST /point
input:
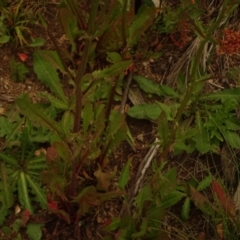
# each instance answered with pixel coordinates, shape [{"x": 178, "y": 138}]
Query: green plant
[
  {"x": 187, "y": 121},
  {"x": 20, "y": 168},
  {"x": 81, "y": 130},
  {"x": 18, "y": 71}
]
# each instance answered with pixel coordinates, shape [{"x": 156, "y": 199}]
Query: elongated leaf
[
  {"x": 140, "y": 24},
  {"x": 185, "y": 212},
  {"x": 54, "y": 101},
  {"x": 11, "y": 131},
  {"x": 24, "y": 192},
  {"x": 6, "y": 126},
  {"x": 172, "y": 198},
  {"x": 115, "y": 69},
  {"x": 145, "y": 111},
  {"x": 168, "y": 111},
  {"x": 200, "y": 200},
  {"x": 34, "y": 231},
  {"x": 37, "y": 42},
  {"x": 67, "y": 121},
  {"x": 41, "y": 197},
  {"x": 202, "y": 141},
  {"x": 163, "y": 129},
  {"x": 232, "y": 138},
  {"x": 144, "y": 195},
  {"x": 124, "y": 177},
  {"x": 69, "y": 24},
  {"x": 7, "y": 195},
  {"x": 206, "y": 182},
  {"x": 48, "y": 75},
  {"x": 35, "y": 113},
  {"x": 223, "y": 95},
  {"x": 149, "y": 86},
  {"x": 37, "y": 160},
  {"x": 143, "y": 229},
  {"x": 227, "y": 203},
  {"x": 10, "y": 160},
  {"x": 114, "y": 224},
  {"x": 53, "y": 58},
  {"x": 3, "y": 213}
]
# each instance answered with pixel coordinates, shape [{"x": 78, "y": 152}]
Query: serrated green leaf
[
  {"x": 114, "y": 57},
  {"x": 149, "y": 86},
  {"x": 54, "y": 101},
  {"x": 226, "y": 94},
  {"x": 13, "y": 132},
  {"x": 124, "y": 176},
  {"x": 145, "y": 111},
  {"x": 10, "y": 160},
  {"x": 34, "y": 231},
  {"x": 114, "y": 70},
  {"x": 168, "y": 111},
  {"x": 35, "y": 113},
  {"x": 145, "y": 194},
  {"x": 37, "y": 42},
  {"x": 142, "y": 21},
  {"x": 67, "y": 121},
  {"x": 143, "y": 229},
  {"x": 185, "y": 212},
  {"x": 69, "y": 24},
  {"x": 24, "y": 192},
  {"x": 40, "y": 195},
  {"x": 115, "y": 224},
  {"x": 7, "y": 194},
  {"x": 48, "y": 75},
  {"x": 206, "y": 182},
  {"x": 6, "y": 126},
  {"x": 53, "y": 58},
  {"x": 172, "y": 198},
  {"x": 3, "y": 213},
  {"x": 232, "y": 124},
  {"x": 202, "y": 141},
  {"x": 232, "y": 138}
]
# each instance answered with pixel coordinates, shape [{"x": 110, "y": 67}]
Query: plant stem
[
  {"x": 78, "y": 92},
  {"x": 82, "y": 68}
]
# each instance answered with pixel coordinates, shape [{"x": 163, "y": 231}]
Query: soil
[{"x": 160, "y": 70}]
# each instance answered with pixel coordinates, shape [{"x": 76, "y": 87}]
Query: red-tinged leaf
[
  {"x": 62, "y": 214},
  {"x": 52, "y": 205},
  {"x": 227, "y": 203},
  {"x": 107, "y": 222},
  {"x": 23, "y": 57},
  {"x": 131, "y": 68},
  {"x": 219, "y": 191},
  {"x": 200, "y": 200},
  {"x": 25, "y": 217}
]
